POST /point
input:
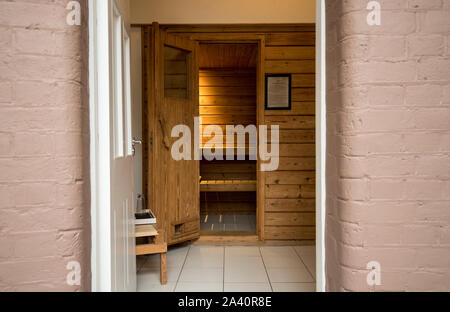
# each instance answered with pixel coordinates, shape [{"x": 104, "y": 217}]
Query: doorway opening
[
  {"x": 281, "y": 55},
  {"x": 228, "y": 96}
]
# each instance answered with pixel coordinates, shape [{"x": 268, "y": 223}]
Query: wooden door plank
[{"x": 290, "y": 218}]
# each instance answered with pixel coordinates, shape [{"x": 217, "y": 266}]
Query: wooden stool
[{"x": 156, "y": 244}]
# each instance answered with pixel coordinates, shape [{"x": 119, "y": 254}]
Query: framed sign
[{"x": 278, "y": 91}]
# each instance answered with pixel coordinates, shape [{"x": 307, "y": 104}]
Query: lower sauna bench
[
  {"x": 228, "y": 207},
  {"x": 228, "y": 186}
]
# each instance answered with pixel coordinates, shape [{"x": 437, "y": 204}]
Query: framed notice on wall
[{"x": 278, "y": 91}]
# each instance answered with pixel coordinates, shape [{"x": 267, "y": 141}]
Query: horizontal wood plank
[
  {"x": 303, "y": 80},
  {"x": 290, "y": 53},
  {"x": 293, "y": 136},
  {"x": 290, "y": 205},
  {"x": 303, "y": 94},
  {"x": 296, "y": 163},
  {"x": 297, "y": 150},
  {"x": 289, "y": 232},
  {"x": 290, "y": 67},
  {"x": 247, "y": 73},
  {"x": 291, "y": 39},
  {"x": 236, "y": 186},
  {"x": 235, "y": 91},
  {"x": 149, "y": 249},
  {"x": 227, "y": 100},
  {"x": 228, "y": 110},
  {"x": 289, "y": 191},
  {"x": 290, "y": 218},
  {"x": 291, "y": 122},
  {"x": 290, "y": 177},
  {"x": 298, "y": 108},
  {"x": 227, "y": 81},
  {"x": 229, "y": 120}
]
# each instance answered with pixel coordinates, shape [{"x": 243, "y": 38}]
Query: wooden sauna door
[{"x": 175, "y": 183}]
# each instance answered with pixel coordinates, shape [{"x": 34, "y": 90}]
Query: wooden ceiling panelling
[{"x": 223, "y": 55}]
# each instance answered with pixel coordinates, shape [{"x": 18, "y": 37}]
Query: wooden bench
[
  {"x": 155, "y": 244},
  {"x": 228, "y": 186}
]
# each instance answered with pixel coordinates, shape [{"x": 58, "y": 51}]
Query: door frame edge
[
  {"x": 99, "y": 97},
  {"x": 320, "y": 145}
]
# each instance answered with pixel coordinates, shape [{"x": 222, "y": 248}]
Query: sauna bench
[{"x": 228, "y": 186}]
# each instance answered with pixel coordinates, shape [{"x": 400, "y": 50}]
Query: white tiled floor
[{"x": 231, "y": 269}]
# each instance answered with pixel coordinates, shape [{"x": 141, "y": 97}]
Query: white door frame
[
  {"x": 99, "y": 98},
  {"x": 320, "y": 144}
]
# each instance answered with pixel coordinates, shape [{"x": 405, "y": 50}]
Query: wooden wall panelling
[{"x": 290, "y": 191}]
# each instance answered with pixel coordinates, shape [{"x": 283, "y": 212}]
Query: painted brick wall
[
  {"x": 44, "y": 146},
  {"x": 388, "y": 137}
]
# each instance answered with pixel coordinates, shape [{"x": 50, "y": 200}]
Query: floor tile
[
  {"x": 202, "y": 275},
  {"x": 242, "y": 251},
  {"x": 152, "y": 275},
  {"x": 175, "y": 258},
  {"x": 156, "y": 287},
  {"x": 235, "y": 262},
  {"x": 283, "y": 261},
  {"x": 289, "y": 275},
  {"x": 245, "y": 272},
  {"x": 140, "y": 261},
  {"x": 199, "y": 287},
  {"x": 206, "y": 268},
  {"x": 278, "y": 251},
  {"x": 294, "y": 287},
  {"x": 308, "y": 255},
  {"x": 247, "y": 287},
  {"x": 204, "y": 257},
  {"x": 305, "y": 250}
]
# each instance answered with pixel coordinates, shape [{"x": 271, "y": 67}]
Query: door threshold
[
  {"x": 238, "y": 240},
  {"x": 247, "y": 240}
]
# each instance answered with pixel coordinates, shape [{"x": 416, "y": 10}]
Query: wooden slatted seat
[{"x": 228, "y": 186}]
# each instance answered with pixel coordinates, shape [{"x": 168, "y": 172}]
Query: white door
[
  {"x": 123, "y": 265},
  {"x": 112, "y": 199}
]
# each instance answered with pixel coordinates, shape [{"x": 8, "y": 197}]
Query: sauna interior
[
  {"x": 227, "y": 96},
  {"x": 218, "y": 72}
]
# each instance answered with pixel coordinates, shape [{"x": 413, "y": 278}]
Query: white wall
[{"x": 223, "y": 11}]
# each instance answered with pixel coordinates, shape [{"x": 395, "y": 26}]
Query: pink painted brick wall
[
  {"x": 388, "y": 138},
  {"x": 44, "y": 146}
]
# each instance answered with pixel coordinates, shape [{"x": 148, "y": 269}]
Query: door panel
[
  {"x": 175, "y": 183},
  {"x": 121, "y": 161}
]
